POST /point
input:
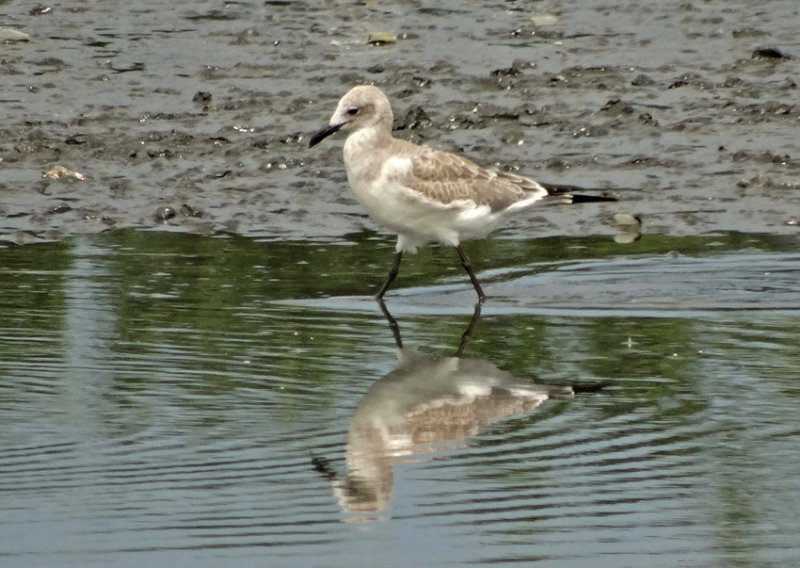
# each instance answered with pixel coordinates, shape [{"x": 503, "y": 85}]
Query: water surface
[{"x": 193, "y": 400}]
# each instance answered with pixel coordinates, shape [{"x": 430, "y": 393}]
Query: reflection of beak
[{"x": 323, "y": 134}]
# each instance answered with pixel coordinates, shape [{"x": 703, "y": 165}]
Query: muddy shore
[{"x": 195, "y": 117}]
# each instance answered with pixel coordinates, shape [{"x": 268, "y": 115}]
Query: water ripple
[{"x": 227, "y": 432}]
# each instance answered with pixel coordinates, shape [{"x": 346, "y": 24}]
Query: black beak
[{"x": 323, "y": 134}]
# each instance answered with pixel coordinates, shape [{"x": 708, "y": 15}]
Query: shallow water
[{"x": 194, "y": 400}]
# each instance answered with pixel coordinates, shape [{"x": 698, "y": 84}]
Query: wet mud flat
[{"x": 195, "y": 116}]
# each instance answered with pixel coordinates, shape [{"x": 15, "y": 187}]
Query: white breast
[{"x": 375, "y": 177}]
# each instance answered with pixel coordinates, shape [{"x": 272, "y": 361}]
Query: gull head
[{"x": 362, "y": 107}]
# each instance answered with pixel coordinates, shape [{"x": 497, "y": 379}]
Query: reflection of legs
[
  {"x": 465, "y": 262},
  {"x": 466, "y": 337},
  {"x": 392, "y": 323},
  {"x": 392, "y": 275}
]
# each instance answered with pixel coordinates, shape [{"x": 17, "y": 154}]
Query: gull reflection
[{"x": 428, "y": 403}]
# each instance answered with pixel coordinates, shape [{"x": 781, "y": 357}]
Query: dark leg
[
  {"x": 465, "y": 262},
  {"x": 466, "y": 337},
  {"x": 398, "y": 341},
  {"x": 392, "y": 275}
]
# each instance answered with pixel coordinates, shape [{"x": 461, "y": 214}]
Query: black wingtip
[
  {"x": 584, "y": 198},
  {"x": 588, "y": 388},
  {"x": 323, "y": 466},
  {"x": 572, "y": 193}
]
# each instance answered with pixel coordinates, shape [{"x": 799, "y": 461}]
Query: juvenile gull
[{"x": 422, "y": 194}]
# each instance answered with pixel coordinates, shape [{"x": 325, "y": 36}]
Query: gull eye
[{"x": 352, "y": 111}]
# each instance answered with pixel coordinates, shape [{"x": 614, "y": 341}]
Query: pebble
[
  {"x": 202, "y": 97},
  {"x": 9, "y": 35},
  {"x": 628, "y": 227},
  {"x": 57, "y": 172},
  {"x": 381, "y": 38},
  {"x": 40, "y": 10},
  {"x": 165, "y": 213},
  {"x": 770, "y": 53}
]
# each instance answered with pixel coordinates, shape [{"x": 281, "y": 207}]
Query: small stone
[
  {"x": 770, "y": 53},
  {"x": 642, "y": 80},
  {"x": 60, "y": 208},
  {"x": 57, "y": 172},
  {"x": 628, "y": 227},
  {"x": 507, "y": 72},
  {"x": 378, "y": 39},
  {"x": 203, "y": 97},
  {"x": 544, "y": 20},
  {"x": 77, "y": 139},
  {"x": 40, "y": 10},
  {"x": 9, "y": 35},
  {"x": 163, "y": 214}
]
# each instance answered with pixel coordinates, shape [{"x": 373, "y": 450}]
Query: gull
[{"x": 422, "y": 194}]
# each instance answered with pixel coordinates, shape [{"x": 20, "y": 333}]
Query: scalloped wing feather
[{"x": 448, "y": 178}]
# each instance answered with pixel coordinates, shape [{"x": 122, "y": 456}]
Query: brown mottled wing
[{"x": 446, "y": 178}]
